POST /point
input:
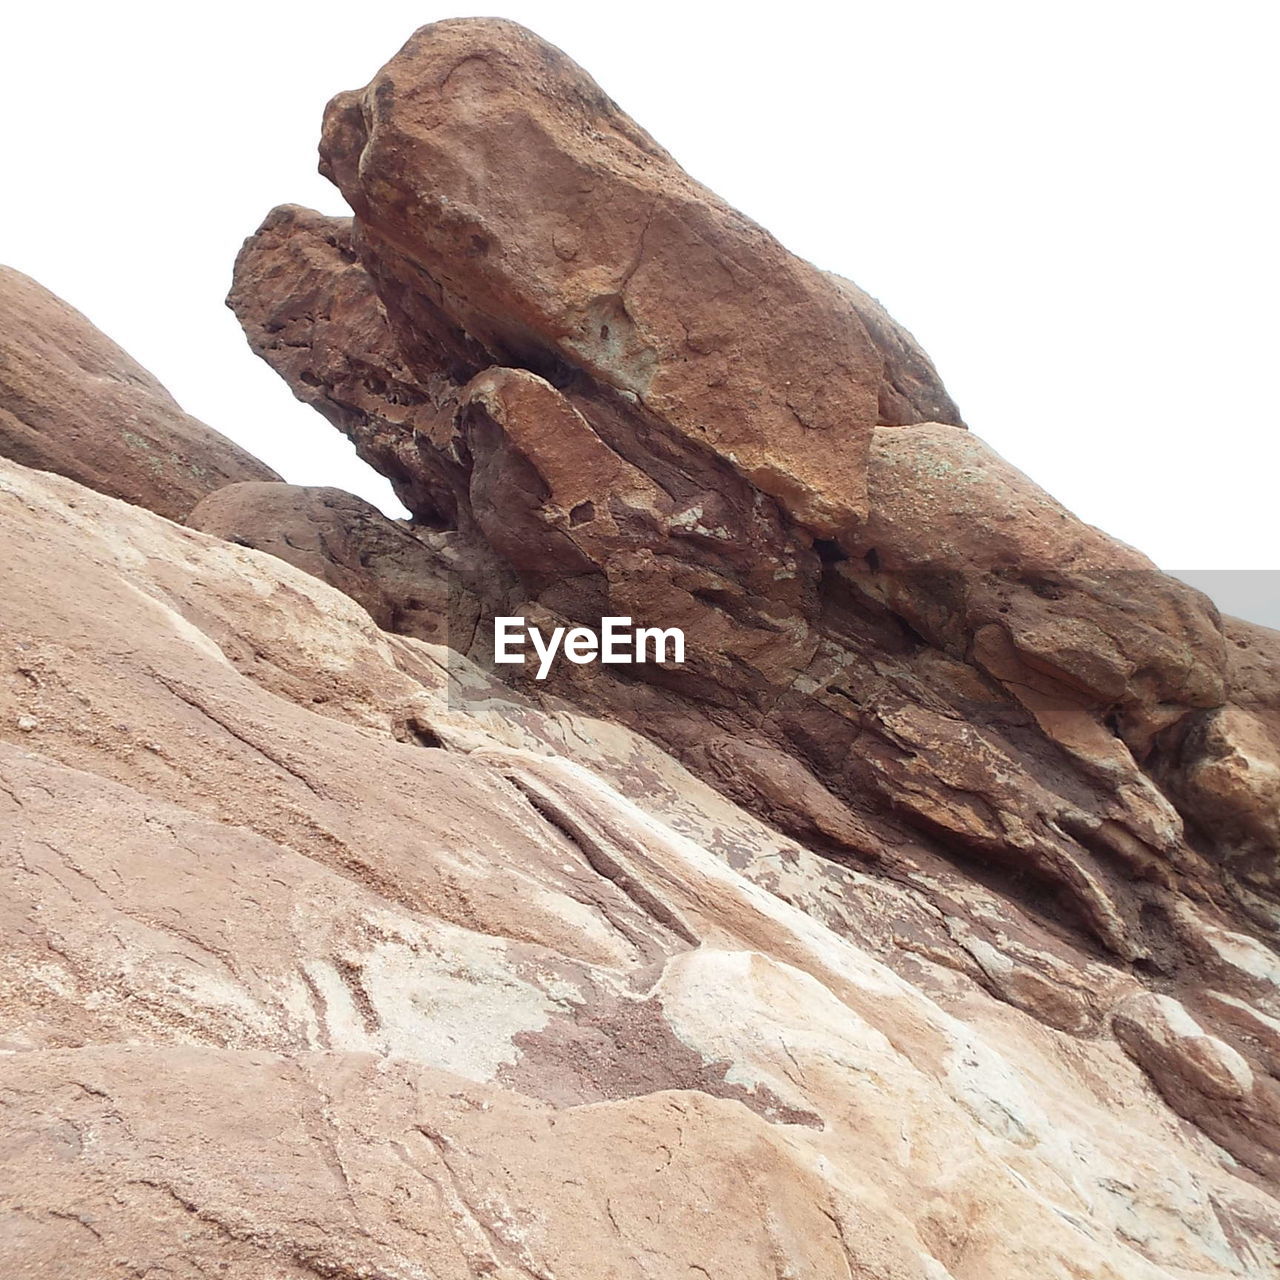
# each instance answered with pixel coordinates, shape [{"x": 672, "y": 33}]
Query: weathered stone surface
[
  {"x": 319, "y": 323},
  {"x": 966, "y": 681},
  {"x": 505, "y": 195},
  {"x": 72, "y": 402},
  {"x": 1222, "y": 767},
  {"x": 1253, "y": 668},
  {"x": 1204, "y": 1079},
  {"x": 1081, "y": 628},
  {"x": 409, "y": 580},
  {"x": 1230, "y": 781},
  {"x": 289, "y": 992},
  {"x": 922, "y": 927}
]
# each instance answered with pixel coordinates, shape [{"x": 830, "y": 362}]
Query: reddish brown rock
[
  {"x": 1081, "y": 628},
  {"x": 411, "y": 582},
  {"x": 319, "y": 322},
  {"x": 72, "y": 402},
  {"x": 1253, "y": 673},
  {"x": 1227, "y": 776},
  {"x": 287, "y": 992},
  {"x": 940, "y": 945},
  {"x": 967, "y": 680},
  {"x": 499, "y": 192},
  {"x": 1204, "y": 1079},
  {"x": 1253, "y": 667}
]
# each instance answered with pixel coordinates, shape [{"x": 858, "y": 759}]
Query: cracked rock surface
[
  {"x": 328, "y": 955},
  {"x": 921, "y": 927}
]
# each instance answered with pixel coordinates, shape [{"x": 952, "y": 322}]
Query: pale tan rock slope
[
  {"x": 922, "y": 928},
  {"x": 314, "y": 967}
]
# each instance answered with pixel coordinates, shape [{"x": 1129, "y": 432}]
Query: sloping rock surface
[
  {"x": 921, "y": 927},
  {"x": 329, "y": 956},
  {"x": 72, "y": 402},
  {"x": 902, "y": 652}
]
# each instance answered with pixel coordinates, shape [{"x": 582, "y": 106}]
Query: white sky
[{"x": 1072, "y": 205}]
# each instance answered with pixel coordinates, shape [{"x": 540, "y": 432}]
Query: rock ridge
[
  {"x": 923, "y": 926},
  {"x": 72, "y": 402},
  {"x": 1050, "y": 677}
]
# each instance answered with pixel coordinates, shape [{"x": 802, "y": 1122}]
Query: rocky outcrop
[
  {"x": 1203, "y": 1078},
  {"x": 595, "y": 252},
  {"x": 329, "y": 956},
  {"x": 1226, "y": 771},
  {"x": 72, "y": 402},
  {"x": 948, "y": 669},
  {"x": 922, "y": 926}
]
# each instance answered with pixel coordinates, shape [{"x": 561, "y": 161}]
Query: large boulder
[
  {"x": 1081, "y": 628},
  {"x": 527, "y": 221}
]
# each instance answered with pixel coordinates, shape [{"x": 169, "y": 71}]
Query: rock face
[
  {"x": 328, "y": 956},
  {"x": 922, "y": 926},
  {"x": 901, "y": 649},
  {"x": 72, "y": 402},
  {"x": 558, "y": 236}
]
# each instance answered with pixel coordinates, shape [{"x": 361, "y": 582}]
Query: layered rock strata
[
  {"x": 921, "y": 927},
  {"x": 902, "y": 651},
  {"x": 329, "y": 956}
]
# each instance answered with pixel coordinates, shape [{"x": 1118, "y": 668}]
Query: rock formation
[
  {"x": 328, "y": 956},
  {"x": 409, "y": 580},
  {"x": 72, "y": 402},
  {"x": 921, "y": 927},
  {"x": 962, "y": 672}
]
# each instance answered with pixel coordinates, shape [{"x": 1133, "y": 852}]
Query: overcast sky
[{"x": 1072, "y": 205}]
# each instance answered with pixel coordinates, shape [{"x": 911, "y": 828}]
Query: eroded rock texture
[
  {"x": 327, "y": 955},
  {"x": 901, "y": 650},
  {"x": 72, "y": 402},
  {"x": 921, "y": 927}
]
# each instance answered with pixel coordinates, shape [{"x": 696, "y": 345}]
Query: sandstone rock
[
  {"x": 967, "y": 681},
  {"x": 1204, "y": 1079},
  {"x": 495, "y": 183},
  {"x": 1253, "y": 674},
  {"x": 1230, "y": 781},
  {"x": 1253, "y": 668},
  {"x": 920, "y": 926},
  {"x": 288, "y": 993},
  {"x": 541, "y": 478},
  {"x": 318, "y": 321},
  {"x": 409, "y": 582},
  {"x": 72, "y": 402},
  {"x": 910, "y": 390},
  {"x": 984, "y": 563}
]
